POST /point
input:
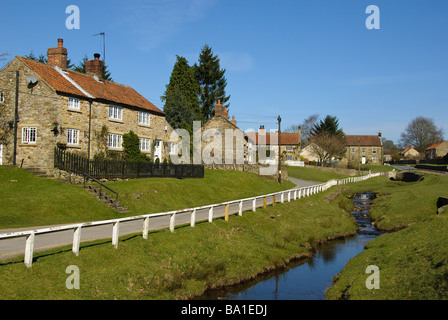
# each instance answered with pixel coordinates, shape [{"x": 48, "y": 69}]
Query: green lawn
[
  {"x": 311, "y": 174},
  {"x": 27, "y": 200}
]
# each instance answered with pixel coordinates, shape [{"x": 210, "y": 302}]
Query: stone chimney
[
  {"x": 95, "y": 66},
  {"x": 57, "y": 56},
  {"x": 220, "y": 110},
  {"x": 261, "y": 130},
  {"x": 233, "y": 121}
]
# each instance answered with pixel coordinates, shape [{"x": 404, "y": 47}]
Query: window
[
  {"x": 114, "y": 141},
  {"x": 288, "y": 158},
  {"x": 145, "y": 145},
  {"x": 373, "y": 159},
  {"x": 29, "y": 135},
  {"x": 288, "y": 148},
  {"x": 2, "y": 97},
  {"x": 373, "y": 150},
  {"x": 172, "y": 147},
  {"x": 143, "y": 118},
  {"x": 115, "y": 112},
  {"x": 353, "y": 150},
  {"x": 73, "y": 104},
  {"x": 363, "y": 150},
  {"x": 73, "y": 137}
]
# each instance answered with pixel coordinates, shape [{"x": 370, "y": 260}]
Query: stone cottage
[
  {"x": 56, "y": 106},
  {"x": 437, "y": 150},
  {"x": 364, "y": 149}
]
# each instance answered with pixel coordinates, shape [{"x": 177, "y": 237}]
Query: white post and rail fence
[{"x": 239, "y": 206}]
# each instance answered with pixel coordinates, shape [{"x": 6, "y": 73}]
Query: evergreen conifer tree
[
  {"x": 181, "y": 96},
  {"x": 211, "y": 81}
]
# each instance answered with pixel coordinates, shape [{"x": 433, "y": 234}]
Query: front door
[
  {"x": 158, "y": 150},
  {"x": 363, "y": 159}
]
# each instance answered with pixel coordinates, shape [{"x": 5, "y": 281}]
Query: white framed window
[
  {"x": 115, "y": 112},
  {"x": 29, "y": 135},
  {"x": 144, "y": 118},
  {"x": 288, "y": 148},
  {"x": 73, "y": 137},
  {"x": 2, "y": 97},
  {"x": 114, "y": 141},
  {"x": 73, "y": 104},
  {"x": 289, "y": 158},
  {"x": 353, "y": 150},
  {"x": 374, "y": 159},
  {"x": 172, "y": 147},
  {"x": 373, "y": 150},
  {"x": 145, "y": 145},
  {"x": 363, "y": 150}
]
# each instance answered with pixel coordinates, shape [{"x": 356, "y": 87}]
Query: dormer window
[
  {"x": 115, "y": 112},
  {"x": 73, "y": 104}
]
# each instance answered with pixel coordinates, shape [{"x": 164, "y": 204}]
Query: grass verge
[{"x": 28, "y": 201}]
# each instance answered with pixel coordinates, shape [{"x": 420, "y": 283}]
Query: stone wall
[{"x": 252, "y": 168}]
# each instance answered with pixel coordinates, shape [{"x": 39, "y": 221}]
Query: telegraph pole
[{"x": 279, "y": 151}]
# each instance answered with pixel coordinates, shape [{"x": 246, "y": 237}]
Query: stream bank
[{"x": 308, "y": 278}]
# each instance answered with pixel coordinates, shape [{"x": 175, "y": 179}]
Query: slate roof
[{"x": 86, "y": 86}]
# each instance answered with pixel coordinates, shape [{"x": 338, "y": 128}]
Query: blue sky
[{"x": 291, "y": 58}]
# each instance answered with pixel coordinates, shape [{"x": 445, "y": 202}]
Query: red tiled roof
[
  {"x": 287, "y": 139},
  {"x": 107, "y": 91},
  {"x": 435, "y": 145},
  {"x": 352, "y": 140}
]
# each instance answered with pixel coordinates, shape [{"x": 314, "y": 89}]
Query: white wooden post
[
  {"x": 145, "y": 228},
  {"x": 115, "y": 233},
  {"x": 289, "y": 196},
  {"x": 300, "y": 193},
  {"x": 240, "y": 209},
  {"x": 76, "y": 240},
  {"x": 210, "y": 214},
  {"x": 295, "y": 194},
  {"x": 172, "y": 222},
  {"x": 193, "y": 218},
  {"x": 282, "y": 197},
  {"x": 254, "y": 205},
  {"x": 308, "y": 192},
  {"x": 29, "y": 248}
]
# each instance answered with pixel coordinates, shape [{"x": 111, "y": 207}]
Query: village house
[
  {"x": 290, "y": 145},
  {"x": 409, "y": 153},
  {"x": 82, "y": 113},
  {"x": 360, "y": 149},
  {"x": 437, "y": 150},
  {"x": 363, "y": 149}
]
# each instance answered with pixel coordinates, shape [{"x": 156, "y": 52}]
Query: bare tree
[
  {"x": 3, "y": 57},
  {"x": 327, "y": 146},
  {"x": 422, "y": 133},
  {"x": 306, "y": 127}
]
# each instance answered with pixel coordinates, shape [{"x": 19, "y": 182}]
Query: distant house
[
  {"x": 290, "y": 145},
  {"x": 409, "y": 153},
  {"x": 363, "y": 149},
  {"x": 439, "y": 149},
  {"x": 60, "y": 107}
]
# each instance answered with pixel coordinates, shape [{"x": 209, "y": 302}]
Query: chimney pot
[
  {"x": 95, "y": 66},
  {"x": 57, "y": 56}
]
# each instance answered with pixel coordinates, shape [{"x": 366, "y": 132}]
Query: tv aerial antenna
[{"x": 104, "y": 45}]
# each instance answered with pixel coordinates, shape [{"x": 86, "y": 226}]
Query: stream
[{"x": 308, "y": 279}]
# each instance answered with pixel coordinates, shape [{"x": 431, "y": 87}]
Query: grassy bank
[
  {"x": 413, "y": 262},
  {"x": 27, "y": 200},
  {"x": 311, "y": 174},
  {"x": 184, "y": 263}
]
